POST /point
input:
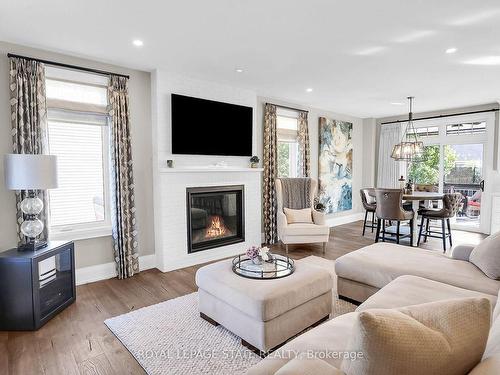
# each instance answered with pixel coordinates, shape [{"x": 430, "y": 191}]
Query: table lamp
[{"x": 31, "y": 173}]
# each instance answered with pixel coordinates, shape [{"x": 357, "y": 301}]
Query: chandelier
[{"x": 410, "y": 149}]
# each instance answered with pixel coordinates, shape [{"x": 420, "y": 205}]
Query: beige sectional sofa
[
  {"x": 363, "y": 272},
  {"x": 388, "y": 276}
]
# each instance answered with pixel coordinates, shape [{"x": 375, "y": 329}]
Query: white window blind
[{"x": 80, "y": 196}]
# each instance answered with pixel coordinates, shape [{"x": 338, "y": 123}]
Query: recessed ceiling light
[
  {"x": 239, "y": 70},
  {"x": 397, "y": 103},
  {"x": 485, "y": 60},
  {"x": 137, "y": 42},
  {"x": 451, "y": 50},
  {"x": 309, "y": 89}
]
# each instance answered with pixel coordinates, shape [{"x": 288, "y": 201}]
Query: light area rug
[{"x": 171, "y": 338}]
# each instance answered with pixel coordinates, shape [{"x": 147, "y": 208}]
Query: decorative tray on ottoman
[{"x": 280, "y": 266}]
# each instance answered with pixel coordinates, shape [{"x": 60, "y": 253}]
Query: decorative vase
[{"x": 257, "y": 260}]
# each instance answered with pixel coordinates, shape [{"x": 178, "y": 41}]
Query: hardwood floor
[{"x": 77, "y": 341}]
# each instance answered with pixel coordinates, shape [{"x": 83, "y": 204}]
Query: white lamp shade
[{"x": 30, "y": 172}]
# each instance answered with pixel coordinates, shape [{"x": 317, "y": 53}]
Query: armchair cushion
[
  {"x": 306, "y": 229},
  {"x": 462, "y": 252},
  {"x": 298, "y": 216},
  {"x": 318, "y": 217},
  {"x": 486, "y": 256}
]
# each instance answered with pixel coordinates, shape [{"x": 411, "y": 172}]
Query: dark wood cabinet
[{"x": 36, "y": 285}]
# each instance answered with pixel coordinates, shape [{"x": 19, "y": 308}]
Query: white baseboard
[
  {"x": 105, "y": 271},
  {"x": 345, "y": 219}
]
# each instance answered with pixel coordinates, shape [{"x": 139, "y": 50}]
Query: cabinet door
[{"x": 54, "y": 283}]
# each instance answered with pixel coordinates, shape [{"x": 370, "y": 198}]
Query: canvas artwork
[{"x": 335, "y": 164}]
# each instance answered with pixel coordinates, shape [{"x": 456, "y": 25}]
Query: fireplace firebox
[{"x": 215, "y": 216}]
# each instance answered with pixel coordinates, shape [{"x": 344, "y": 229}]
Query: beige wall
[
  {"x": 313, "y": 121},
  {"x": 97, "y": 250}
]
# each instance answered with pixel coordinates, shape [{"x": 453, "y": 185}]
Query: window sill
[{"x": 79, "y": 234}]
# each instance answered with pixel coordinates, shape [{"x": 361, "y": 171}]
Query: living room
[{"x": 248, "y": 187}]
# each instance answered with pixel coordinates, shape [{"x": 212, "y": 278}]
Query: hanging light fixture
[{"x": 410, "y": 149}]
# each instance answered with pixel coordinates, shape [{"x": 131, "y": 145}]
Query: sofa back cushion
[
  {"x": 444, "y": 337},
  {"x": 486, "y": 256}
]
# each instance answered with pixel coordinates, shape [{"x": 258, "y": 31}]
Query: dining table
[{"x": 416, "y": 197}]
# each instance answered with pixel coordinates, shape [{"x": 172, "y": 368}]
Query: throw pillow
[
  {"x": 446, "y": 337},
  {"x": 486, "y": 256},
  {"x": 298, "y": 216}
]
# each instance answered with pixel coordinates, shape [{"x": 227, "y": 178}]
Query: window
[
  {"x": 466, "y": 128},
  {"x": 423, "y": 132},
  {"x": 288, "y": 147},
  {"x": 78, "y": 134}
]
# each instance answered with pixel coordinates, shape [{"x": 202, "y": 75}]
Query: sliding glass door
[
  {"x": 458, "y": 158},
  {"x": 463, "y": 173}
]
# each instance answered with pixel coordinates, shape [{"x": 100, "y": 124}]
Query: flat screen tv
[{"x": 207, "y": 127}]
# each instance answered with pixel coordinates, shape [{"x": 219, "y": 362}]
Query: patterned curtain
[
  {"x": 270, "y": 173},
  {"x": 29, "y": 123},
  {"x": 304, "y": 147},
  {"x": 123, "y": 218}
]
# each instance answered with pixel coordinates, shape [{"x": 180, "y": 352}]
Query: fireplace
[{"x": 215, "y": 216}]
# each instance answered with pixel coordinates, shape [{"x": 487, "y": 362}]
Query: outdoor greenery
[
  {"x": 427, "y": 171},
  {"x": 283, "y": 159}
]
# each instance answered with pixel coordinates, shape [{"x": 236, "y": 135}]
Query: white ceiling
[{"x": 358, "y": 56}]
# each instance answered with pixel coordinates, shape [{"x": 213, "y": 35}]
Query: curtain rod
[
  {"x": 68, "y": 66},
  {"x": 442, "y": 116},
  {"x": 291, "y": 108}
]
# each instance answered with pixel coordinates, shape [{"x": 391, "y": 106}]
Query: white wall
[
  {"x": 166, "y": 84},
  {"x": 97, "y": 250}
]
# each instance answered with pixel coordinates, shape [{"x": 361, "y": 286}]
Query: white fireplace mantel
[
  {"x": 171, "y": 216},
  {"x": 209, "y": 169}
]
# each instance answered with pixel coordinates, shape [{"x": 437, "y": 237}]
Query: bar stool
[
  {"x": 370, "y": 205},
  {"x": 389, "y": 207},
  {"x": 451, "y": 204}
]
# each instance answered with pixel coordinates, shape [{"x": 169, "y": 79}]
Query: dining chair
[
  {"x": 370, "y": 205},
  {"x": 451, "y": 205},
  {"x": 389, "y": 207}
]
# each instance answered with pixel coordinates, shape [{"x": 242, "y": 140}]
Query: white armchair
[{"x": 298, "y": 233}]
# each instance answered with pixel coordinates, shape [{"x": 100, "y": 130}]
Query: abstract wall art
[{"x": 335, "y": 164}]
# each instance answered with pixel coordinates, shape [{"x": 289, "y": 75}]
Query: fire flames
[{"x": 216, "y": 227}]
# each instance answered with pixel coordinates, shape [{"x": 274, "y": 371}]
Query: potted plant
[
  {"x": 259, "y": 254},
  {"x": 254, "y": 254},
  {"x": 254, "y": 161}
]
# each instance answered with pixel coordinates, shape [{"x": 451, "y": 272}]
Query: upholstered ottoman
[{"x": 264, "y": 313}]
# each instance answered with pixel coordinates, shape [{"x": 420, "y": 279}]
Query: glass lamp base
[{"x": 31, "y": 246}]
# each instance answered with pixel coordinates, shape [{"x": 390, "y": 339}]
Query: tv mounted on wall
[{"x": 207, "y": 127}]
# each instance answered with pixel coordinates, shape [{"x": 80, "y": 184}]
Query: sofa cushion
[
  {"x": 298, "y": 216},
  {"x": 486, "y": 256},
  {"x": 263, "y": 299},
  {"x": 328, "y": 338},
  {"x": 301, "y": 229},
  {"x": 378, "y": 264},
  {"x": 444, "y": 337},
  {"x": 413, "y": 290}
]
